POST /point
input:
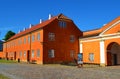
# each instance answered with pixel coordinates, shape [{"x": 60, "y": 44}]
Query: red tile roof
[
  {"x": 98, "y": 31},
  {"x": 92, "y": 33},
  {"x": 33, "y": 28},
  {"x": 38, "y": 26}
]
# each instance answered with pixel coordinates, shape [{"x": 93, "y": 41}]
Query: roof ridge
[{"x": 33, "y": 28}]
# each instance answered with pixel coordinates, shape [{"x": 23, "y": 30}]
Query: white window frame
[
  {"x": 33, "y": 38},
  {"x": 33, "y": 53},
  {"x": 38, "y": 36},
  {"x": 62, "y": 24},
  {"x": 38, "y": 53},
  {"x": 28, "y": 39},
  {"x": 24, "y": 53},
  {"x": 51, "y": 36},
  {"x": 91, "y": 57},
  {"x": 72, "y": 38},
  {"x": 20, "y": 53},
  {"x": 24, "y": 40},
  {"x": 72, "y": 53},
  {"x": 51, "y": 53}
]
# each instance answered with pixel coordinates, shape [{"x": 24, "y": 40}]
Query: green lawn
[
  {"x": 3, "y": 77},
  {"x": 7, "y": 61}
]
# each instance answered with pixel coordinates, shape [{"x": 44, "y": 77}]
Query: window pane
[
  {"x": 62, "y": 24},
  {"x": 24, "y": 53},
  {"x": 28, "y": 39},
  {"x": 72, "y": 52},
  {"x": 51, "y": 36},
  {"x": 33, "y": 38},
  {"x": 20, "y": 54},
  {"x": 72, "y": 38},
  {"x": 51, "y": 53},
  {"x": 32, "y": 53},
  {"x": 24, "y": 40},
  {"x": 20, "y": 41},
  {"x": 91, "y": 57},
  {"x": 38, "y": 53},
  {"x": 38, "y": 36}
]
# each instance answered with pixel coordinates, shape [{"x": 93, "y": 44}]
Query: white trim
[
  {"x": 105, "y": 37},
  {"x": 81, "y": 48},
  {"x": 109, "y": 27},
  {"x": 102, "y": 52}
]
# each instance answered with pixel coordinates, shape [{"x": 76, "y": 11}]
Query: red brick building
[{"x": 52, "y": 41}]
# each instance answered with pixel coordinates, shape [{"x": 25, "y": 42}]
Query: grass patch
[
  {"x": 7, "y": 61},
  {"x": 3, "y": 77}
]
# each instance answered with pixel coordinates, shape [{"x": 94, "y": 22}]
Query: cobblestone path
[{"x": 33, "y": 71}]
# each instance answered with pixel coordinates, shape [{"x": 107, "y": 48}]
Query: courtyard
[{"x": 55, "y": 71}]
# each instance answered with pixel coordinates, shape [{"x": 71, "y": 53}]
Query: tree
[{"x": 8, "y": 35}]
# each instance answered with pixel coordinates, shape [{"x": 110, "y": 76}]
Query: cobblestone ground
[{"x": 33, "y": 71}]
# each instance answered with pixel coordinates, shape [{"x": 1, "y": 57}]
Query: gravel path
[{"x": 33, "y": 71}]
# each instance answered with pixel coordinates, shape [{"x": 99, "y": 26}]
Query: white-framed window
[
  {"x": 51, "y": 53},
  {"x": 24, "y": 53},
  {"x": 24, "y": 40},
  {"x": 51, "y": 36},
  {"x": 72, "y": 53},
  {"x": 38, "y": 36},
  {"x": 20, "y": 41},
  {"x": 20, "y": 53},
  {"x": 32, "y": 53},
  {"x": 91, "y": 56},
  {"x": 72, "y": 38},
  {"x": 62, "y": 24},
  {"x": 33, "y": 38},
  {"x": 28, "y": 39},
  {"x": 38, "y": 53}
]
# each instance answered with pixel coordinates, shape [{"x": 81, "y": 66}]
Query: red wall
[{"x": 62, "y": 44}]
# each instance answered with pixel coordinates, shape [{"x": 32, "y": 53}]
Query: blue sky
[{"x": 87, "y": 14}]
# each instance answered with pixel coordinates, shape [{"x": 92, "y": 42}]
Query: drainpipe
[{"x": 30, "y": 47}]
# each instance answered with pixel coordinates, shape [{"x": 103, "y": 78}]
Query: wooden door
[
  {"x": 28, "y": 56},
  {"x": 109, "y": 58}
]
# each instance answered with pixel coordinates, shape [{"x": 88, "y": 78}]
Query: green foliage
[
  {"x": 8, "y": 35},
  {"x": 7, "y": 61},
  {"x": 3, "y": 77}
]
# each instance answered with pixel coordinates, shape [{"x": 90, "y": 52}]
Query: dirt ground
[{"x": 34, "y": 71}]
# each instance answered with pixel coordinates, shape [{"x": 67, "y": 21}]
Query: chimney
[
  {"x": 19, "y": 31},
  {"x": 40, "y": 21},
  {"x": 24, "y": 29},
  {"x": 50, "y": 16},
  {"x": 30, "y": 25},
  {"x": 104, "y": 24}
]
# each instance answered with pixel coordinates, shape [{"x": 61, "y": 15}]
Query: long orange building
[
  {"x": 58, "y": 40},
  {"x": 52, "y": 41}
]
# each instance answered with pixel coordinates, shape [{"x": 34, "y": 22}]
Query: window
[
  {"x": 72, "y": 53},
  {"x": 62, "y": 24},
  {"x": 38, "y": 53},
  {"x": 72, "y": 38},
  {"x": 20, "y": 54},
  {"x": 33, "y": 38},
  {"x": 51, "y": 36},
  {"x": 91, "y": 56},
  {"x": 24, "y": 40},
  {"x": 51, "y": 53},
  {"x": 38, "y": 36},
  {"x": 28, "y": 39},
  {"x": 20, "y": 41},
  {"x": 24, "y": 53},
  {"x": 32, "y": 53}
]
